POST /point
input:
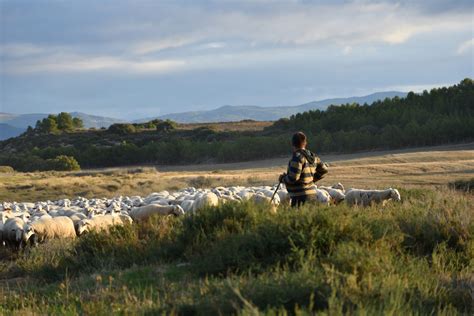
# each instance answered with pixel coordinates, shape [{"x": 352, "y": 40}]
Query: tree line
[
  {"x": 443, "y": 115},
  {"x": 440, "y": 116},
  {"x": 54, "y": 124}
]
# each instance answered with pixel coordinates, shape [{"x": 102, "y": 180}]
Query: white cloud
[
  {"x": 213, "y": 33},
  {"x": 417, "y": 88},
  {"x": 346, "y": 50},
  {"x": 213, "y": 45},
  {"x": 21, "y": 49},
  {"x": 77, "y": 63},
  {"x": 465, "y": 47},
  {"x": 150, "y": 46}
]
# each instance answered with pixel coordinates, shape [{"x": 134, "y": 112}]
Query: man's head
[{"x": 298, "y": 140}]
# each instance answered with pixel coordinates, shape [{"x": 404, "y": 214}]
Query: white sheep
[
  {"x": 102, "y": 223},
  {"x": 338, "y": 186},
  {"x": 205, "y": 200},
  {"x": 367, "y": 197},
  {"x": 144, "y": 212},
  {"x": 323, "y": 197},
  {"x": 262, "y": 199},
  {"x": 49, "y": 228},
  {"x": 187, "y": 205},
  {"x": 337, "y": 195},
  {"x": 12, "y": 231},
  {"x": 284, "y": 196}
]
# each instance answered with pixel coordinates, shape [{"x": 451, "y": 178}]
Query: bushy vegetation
[
  {"x": 54, "y": 124},
  {"x": 6, "y": 169},
  {"x": 63, "y": 163},
  {"x": 440, "y": 116},
  {"x": 37, "y": 163},
  {"x": 122, "y": 129},
  {"x": 415, "y": 257},
  {"x": 158, "y": 125}
]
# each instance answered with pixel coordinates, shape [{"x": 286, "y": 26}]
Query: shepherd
[{"x": 304, "y": 170}]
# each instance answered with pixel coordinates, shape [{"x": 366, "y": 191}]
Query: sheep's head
[
  {"x": 338, "y": 186},
  {"x": 126, "y": 219},
  {"x": 82, "y": 227},
  {"x": 177, "y": 210},
  {"x": 25, "y": 216},
  {"x": 395, "y": 195},
  {"x": 26, "y": 233}
]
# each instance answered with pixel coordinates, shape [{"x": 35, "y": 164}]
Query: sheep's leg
[{"x": 365, "y": 200}]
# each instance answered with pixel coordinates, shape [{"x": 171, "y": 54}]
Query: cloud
[
  {"x": 77, "y": 63},
  {"x": 163, "y": 37},
  {"x": 465, "y": 47},
  {"x": 20, "y": 50},
  {"x": 153, "y": 46},
  {"x": 346, "y": 50}
]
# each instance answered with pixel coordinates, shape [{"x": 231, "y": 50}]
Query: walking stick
[{"x": 274, "y": 193}]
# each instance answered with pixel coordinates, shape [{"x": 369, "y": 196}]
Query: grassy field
[
  {"x": 415, "y": 257},
  {"x": 433, "y": 167}
]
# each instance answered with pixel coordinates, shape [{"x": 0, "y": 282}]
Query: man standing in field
[{"x": 304, "y": 169}]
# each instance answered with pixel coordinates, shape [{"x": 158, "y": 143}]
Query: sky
[{"x": 134, "y": 59}]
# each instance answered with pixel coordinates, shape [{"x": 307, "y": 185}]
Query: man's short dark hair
[{"x": 298, "y": 139}]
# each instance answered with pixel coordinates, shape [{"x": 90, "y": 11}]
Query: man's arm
[
  {"x": 321, "y": 170},
  {"x": 294, "y": 171}
]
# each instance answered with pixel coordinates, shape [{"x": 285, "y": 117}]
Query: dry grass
[{"x": 410, "y": 169}]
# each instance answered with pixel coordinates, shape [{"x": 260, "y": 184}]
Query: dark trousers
[{"x": 297, "y": 201}]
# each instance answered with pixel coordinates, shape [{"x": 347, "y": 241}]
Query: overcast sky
[{"x": 131, "y": 59}]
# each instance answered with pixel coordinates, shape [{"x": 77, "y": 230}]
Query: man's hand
[{"x": 281, "y": 177}]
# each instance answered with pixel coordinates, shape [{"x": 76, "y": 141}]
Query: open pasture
[
  {"x": 430, "y": 167},
  {"x": 412, "y": 257}
]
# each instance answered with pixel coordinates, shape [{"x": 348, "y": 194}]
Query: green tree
[
  {"x": 166, "y": 126},
  {"x": 65, "y": 121},
  {"x": 77, "y": 122},
  {"x": 63, "y": 163},
  {"x": 48, "y": 125},
  {"x": 122, "y": 129}
]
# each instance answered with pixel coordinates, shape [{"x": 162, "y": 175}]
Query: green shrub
[
  {"x": 63, "y": 163},
  {"x": 122, "y": 129},
  {"x": 6, "y": 169},
  {"x": 165, "y": 126}
]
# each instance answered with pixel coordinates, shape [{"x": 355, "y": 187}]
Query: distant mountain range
[
  {"x": 7, "y": 131},
  {"x": 12, "y": 125},
  {"x": 230, "y": 113}
]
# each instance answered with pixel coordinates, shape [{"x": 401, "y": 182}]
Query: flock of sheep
[{"x": 24, "y": 223}]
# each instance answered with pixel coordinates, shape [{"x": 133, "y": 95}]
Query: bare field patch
[{"x": 398, "y": 169}]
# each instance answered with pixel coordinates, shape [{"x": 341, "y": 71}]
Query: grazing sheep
[
  {"x": 101, "y": 223},
  {"x": 338, "y": 186},
  {"x": 187, "y": 205},
  {"x": 49, "y": 228},
  {"x": 284, "y": 197},
  {"x": 323, "y": 197},
  {"x": 205, "y": 200},
  {"x": 337, "y": 195},
  {"x": 144, "y": 212},
  {"x": 246, "y": 194},
  {"x": 12, "y": 231},
  {"x": 262, "y": 199},
  {"x": 367, "y": 197}
]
